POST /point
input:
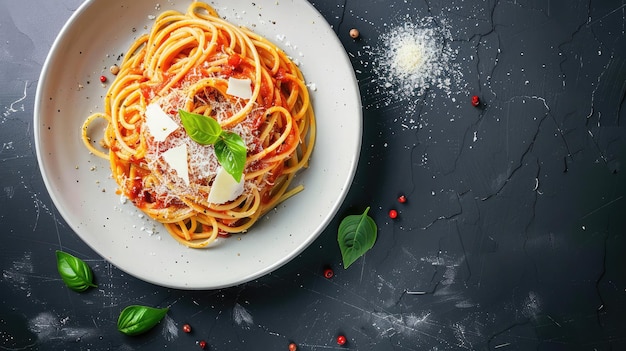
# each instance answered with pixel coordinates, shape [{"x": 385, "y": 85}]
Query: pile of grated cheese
[{"x": 415, "y": 57}]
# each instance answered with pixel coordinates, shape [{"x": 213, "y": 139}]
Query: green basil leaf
[
  {"x": 356, "y": 235},
  {"x": 231, "y": 152},
  {"x": 202, "y": 129},
  {"x": 76, "y": 274},
  {"x": 137, "y": 319}
]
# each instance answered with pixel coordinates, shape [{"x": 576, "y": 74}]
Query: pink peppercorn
[{"x": 475, "y": 100}]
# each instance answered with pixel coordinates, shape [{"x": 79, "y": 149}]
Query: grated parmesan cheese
[
  {"x": 201, "y": 162},
  {"x": 413, "y": 58},
  {"x": 416, "y": 57},
  {"x": 409, "y": 56}
]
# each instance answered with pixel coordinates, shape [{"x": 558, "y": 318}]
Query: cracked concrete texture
[
  {"x": 512, "y": 237},
  {"x": 509, "y": 189}
]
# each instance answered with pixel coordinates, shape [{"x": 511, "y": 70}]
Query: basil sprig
[
  {"x": 230, "y": 148},
  {"x": 137, "y": 319},
  {"x": 356, "y": 235},
  {"x": 76, "y": 274}
]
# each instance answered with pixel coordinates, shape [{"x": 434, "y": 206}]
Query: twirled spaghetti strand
[{"x": 185, "y": 62}]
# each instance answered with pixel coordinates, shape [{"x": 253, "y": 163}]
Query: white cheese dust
[{"x": 414, "y": 57}]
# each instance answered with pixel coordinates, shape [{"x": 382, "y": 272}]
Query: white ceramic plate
[{"x": 81, "y": 186}]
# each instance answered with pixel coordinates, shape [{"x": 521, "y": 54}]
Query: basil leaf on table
[
  {"x": 76, "y": 274},
  {"x": 231, "y": 152},
  {"x": 356, "y": 235},
  {"x": 137, "y": 319},
  {"x": 202, "y": 129}
]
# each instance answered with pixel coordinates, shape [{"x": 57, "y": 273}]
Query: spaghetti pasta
[{"x": 186, "y": 62}]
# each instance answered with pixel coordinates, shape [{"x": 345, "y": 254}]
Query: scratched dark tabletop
[{"x": 513, "y": 236}]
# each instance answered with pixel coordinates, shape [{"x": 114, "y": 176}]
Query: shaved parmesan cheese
[
  {"x": 239, "y": 87},
  {"x": 176, "y": 157},
  {"x": 225, "y": 188},
  {"x": 159, "y": 123}
]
